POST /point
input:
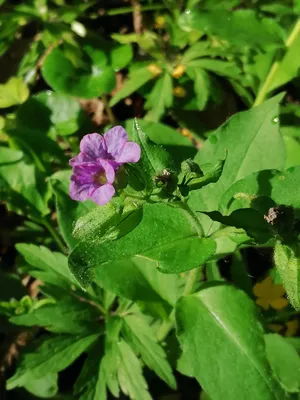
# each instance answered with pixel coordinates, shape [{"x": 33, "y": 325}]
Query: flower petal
[
  {"x": 277, "y": 291},
  {"x": 115, "y": 139},
  {"x": 262, "y": 289},
  {"x": 102, "y": 194},
  {"x": 83, "y": 173},
  {"x": 79, "y": 159},
  {"x": 263, "y": 303},
  {"x": 93, "y": 146},
  {"x": 280, "y": 303},
  {"x": 131, "y": 152},
  {"x": 109, "y": 170},
  {"x": 79, "y": 192}
]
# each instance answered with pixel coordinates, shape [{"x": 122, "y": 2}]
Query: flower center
[{"x": 100, "y": 178}]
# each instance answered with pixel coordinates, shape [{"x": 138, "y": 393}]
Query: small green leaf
[
  {"x": 160, "y": 98},
  {"x": 201, "y": 85},
  {"x": 121, "y": 56},
  {"x": 137, "y": 78},
  {"x": 13, "y": 92},
  {"x": 44, "y": 387},
  {"x": 284, "y": 361}
]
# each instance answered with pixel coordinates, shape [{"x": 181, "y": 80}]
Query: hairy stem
[
  {"x": 54, "y": 235},
  {"x": 128, "y": 10}
]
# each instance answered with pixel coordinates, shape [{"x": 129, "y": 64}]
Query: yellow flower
[
  {"x": 292, "y": 327},
  {"x": 179, "y": 91},
  {"x": 185, "y": 132},
  {"x": 178, "y": 71},
  {"x": 270, "y": 294},
  {"x": 160, "y": 21},
  {"x": 154, "y": 69}
]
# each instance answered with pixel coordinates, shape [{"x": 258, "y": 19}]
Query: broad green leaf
[
  {"x": 225, "y": 344},
  {"x": 176, "y": 144},
  {"x": 13, "y": 92},
  {"x": 8, "y": 155},
  {"x": 67, "y": 315},
  {"x": 45, "y": 387},
  {"x": 49, "y": 267},
  {"x": 121, "y": 56},
  {"x": 284, "y": 361},
  {"x": 68, "y": 210},
  {"x": 197, "y": 50},
  {"x": 167, "y": 235},
  {"x": 138, "y": 280},
  {"x": 241, "y": 28},
  {"x": 130, "y": 374},
  {"x": 138, "y": 334},
  {"x": 53, "y": 355},
  {"x": 201, "y": 85},
  {"x": 288, "y": 67},
  {"x": 292, "y": 147},
  {"x": 59, "y": 72},
  {"x": 287, "y": 262},
  {"x": 160, "y": 98},
  {"x": 253, "y": 142},
  {"x": 137, "y": 78}
]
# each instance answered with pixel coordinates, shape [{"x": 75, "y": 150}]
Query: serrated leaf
[
  {"x": 49, "y": 267},
  {"x": 201, "y": 85},
  {"x": 223, "y": 68},
  {"x": 137, "y": 78},
  {"x": 284, "y": 361},
  {"x": 167, "y": 235},
  {"x": 232, "y": 337},
  {"x": 121, "y": 55},
  {"x": 54, "y": 355},
  {"x": 13, "y": 92},
  {"x": 139, "y": 335},
  {"x": 160, "y": 98},
  {"x": 130, "y": 374}
]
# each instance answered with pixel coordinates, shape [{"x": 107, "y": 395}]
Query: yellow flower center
[
  {"x": 100, "y": 178},
  {"x": 178, "y": 71},
  {"x": 154, "y": 69}
]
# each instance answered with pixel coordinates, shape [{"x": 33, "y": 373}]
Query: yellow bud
[
  {"x": 160, "y": 21},
  {"x": 185, "y": 132},
  {"x": 154, "y": 69},
  {"x": 179, "y": 91},
  {"x": 178, "y": 71}
]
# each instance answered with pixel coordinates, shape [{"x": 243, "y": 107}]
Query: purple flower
[
  {"x": 113, "y": 147},
  {"x": 95, "y": 166}
]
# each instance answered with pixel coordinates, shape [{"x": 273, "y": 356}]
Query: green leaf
[
  {"x": 139, "y": 335},
  {"x": 154, "y": 158},
  {"x": 53, "y": 355},
  {"x": 232, "y": 337},
  {"x": 49, "y": 267},
  {"x": 130, "y": 374},
  {"x": 284, "y": 361},
  {"x": 68, "y": 210},
  {"x": 13, "y": 92},
  {"x": 137, "y": 78},
  {"x": 160, "y": 98},
  {"x": 223, "y": 68},
  {"x": 261, "y": 148},
  {"x": 121, "y": 55},
  {"x": 287, "y": 262},
  {"x": 59, "y": 72},
  {"x": 292, "y": 147},
  {"x": 201, "y": 85},
  {"x": 176, "y": 144},
  {"x": 45, "y": 387},
  {"x": 138, "y": 280},
  {"x": 10, "y": 156},
  {"x": 241, "y": 28},
  {"x": 67, "y": 315},
  {"x": 22, "y": 186},
  {"x": 166, "y": 235}
]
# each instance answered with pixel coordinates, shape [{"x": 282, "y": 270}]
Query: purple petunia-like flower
[{"x": 95, "y": 166}]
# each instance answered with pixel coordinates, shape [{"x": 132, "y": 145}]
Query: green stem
[
  {"x": 54, "y": 235},
  {"x": 128, "y": 10},
  {"x": 262, "y": 94},
  {"x": 110, "y": 114}
]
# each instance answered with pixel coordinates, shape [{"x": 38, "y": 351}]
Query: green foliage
[{"x": 195, "y": 259}]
